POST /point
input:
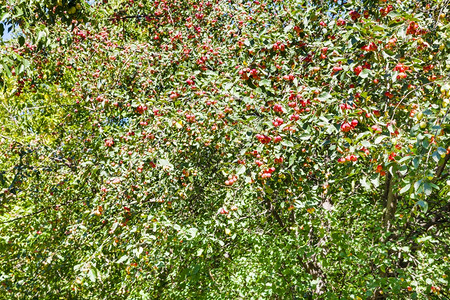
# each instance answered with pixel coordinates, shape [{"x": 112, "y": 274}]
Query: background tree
[{"x": 225, "y": 149}]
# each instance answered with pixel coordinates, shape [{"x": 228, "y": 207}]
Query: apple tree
[{"x": 225, "y": 150}]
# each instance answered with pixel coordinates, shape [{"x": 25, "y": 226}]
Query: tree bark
[
  {"x": 310, "y": 264},
  {"x": 441, "y": 168}
]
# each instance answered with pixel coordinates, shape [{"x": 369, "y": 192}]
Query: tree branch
[{"x": 441, "y": 168}]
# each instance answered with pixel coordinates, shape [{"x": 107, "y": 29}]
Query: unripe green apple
[
  {"x": 419, "y": 116},
  {"x": 423, "y": 124},
  {"x": 72, "y": 10}
]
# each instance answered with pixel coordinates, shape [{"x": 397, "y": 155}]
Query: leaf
[
  {"x": 377, "y": 28},
  {"x": 92, "y": 274},
  {"x": 379, "y": 139},
  {"x": 427, "y": 188},
  {"x": 366, "y": 144},
  {"x": 403, "y": 170},
  {"x": 405, "y": 188},
  {"x": 241, "y": 170},
  {"x": 288, "y": 28},
  {"x": 441, "y": 150},
  {"x": 394, "y": 14},
  {"x": 139, "y": 251},
  {"x": 227, "y": 86},
  {"x": 164, "y": 162},
  {"x": 292, "y": 159},
  {"x": 424, "y": 239},
  {"x": 122, "y": 259},
  {"x": 436, "y": 156},
  {"x": 417, "y": 185},
  {"x": 404, "y": 159},
  {"x": 265, "y": 82},
  {"x": 376, "y": 181},
  {"x": 287, "y": 143},
  {"x": 364, "y": 73},
  {"x": 423, "y": 204},
  {"x": 21, "y": 40},
  {"x": 324, "y": 96},
  {"x": 394, "y": 76},
  {"x": 41, "y": 36},
  {"x": 210, "y": 73},
  {"x": 305, "y": 137},
  {"x": 416, "y": 162},
  {"x": 179, "y": 124},
  {"x": 192, "y": 233},
  {"x": 364, "y": 183}
]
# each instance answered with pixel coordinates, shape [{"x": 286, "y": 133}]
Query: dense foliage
[{"x": 181, "y": 149}]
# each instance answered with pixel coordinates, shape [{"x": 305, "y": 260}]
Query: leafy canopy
[{"x": 225, "y": 149}]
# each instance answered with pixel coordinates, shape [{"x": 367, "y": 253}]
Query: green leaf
[
  {"x": 292, "y": 159},
  {"x": 364, "y": 183},
  {"x": 405, "y": 188},
  {"x": 416, "y": 162},
  {"x": 417, "y": 185},
  {"x": 380, "y": 138},
  {"x": 436, "y": 156},
  {"x": 423, "y": 204},
  {"x": 122, "y": 259},
  {"x": 287, "y": 143},
  {"x": 42, "y": 35},
  {"x": 324, "y": 96},
  {"x": 427, "y": 189},
  {"x": 404, "y": 159},
  {"x": 403, "y": 170},
  {"x": 241, "y": 170},
  {"x": 364, "y": 73},
  {"x": 441, "y": 150},
  {"x": 393, "y": 14},
  {"x": 192, "y": 233},
  {"x": 139, "y": 251},
  {"x": 164, "y": 162},
  {"x": 92, "y": 274},
  {"x": 227, "y": 86},
  {"x": 288, "y": 28},
  {"x": 210, "y": 73},
  {"x": 366, "y": 144},
  {"x": 265, "y": 82},
  {"x": 21, "y": 40},
  {"x": 305, "y": 137},
  {"x": 376, "y": 181}
]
